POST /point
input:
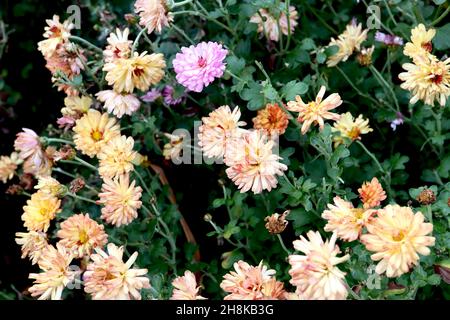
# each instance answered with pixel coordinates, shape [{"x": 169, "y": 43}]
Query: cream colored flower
[
  {"x": 118, "y": 45},
  {"x": 56, "y": 33},
  {"x": 50, "y": 186},
  {"x": 420, "y": 46},
  {"x": 268, "y": 24},
  {"x": 121, "y": 200},
  {"x": 32, "y": 243},
  {"x": 154, "y": 14},
  {"x": 75, "y": 106},
  {"x": 118, "y": 103},
  {"x": 397, "y": 236},
  {"x": 40, "y": 210},
  {"x": 372, "y": 193},
  {"x": 173, "y": 149},
  {"x": 315, "y": 111},
  {"x": 315, "y": 274},
  {"x": 348, "y": 127},
  {"x": 93, "y": 131},
  {"x": 185, "y": 288},
  {"x": 116, "y": 157},
  {"x": 8, "y": 166}
]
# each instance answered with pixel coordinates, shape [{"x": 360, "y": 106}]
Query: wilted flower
[
  {"x": 56, "y": 33},
  {"x": 270, "y": 26},
  {"x": 118, "y": 103},
  {"x": 185, "y": 287},
  {"x": 107, "y": 277},
  {"x": 348, "y": 127},
  {"x": 364, "y": 57},
  {"x": 315, "y": 274},
  {"x": 174, "y": 147},
  {"x": 66, "y": 152},
  {"x": 40, "y": 210},
  {"x": 154, "y": 14},
  {"x": 276, "y": 223},
  {"x": 272, "y": 119},
  {"x": 197, "y": 66},
  {"x": 388, "y": 39},
  {"x": 32, "y": 243},
  {"x": 76, "y": 185},
  {"x": 420, "y": 46},
  {"x": 116, "y": 157},
  {"x": 426, "y": 197},
  {"x": 27, "y": 143},
  {"x": 315, "y": 111},
  {"x": 8, "y": 166},
  {"x": 371, "y": 193},
  {"x": 118, "y": 45},
  {"x": 397, "y": 235}
]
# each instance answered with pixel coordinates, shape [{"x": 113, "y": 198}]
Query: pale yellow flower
[
  {"x": 348, "y": 127},
  {"x": 32, "y": 244},
  {"x": 185, "y": 287},
  {"x": 371, "y": 193},
  {"x": 75, "y": 106},
  {"x": 50, "y": 186},
  {"x": 173, "y": 149},
  {"x": 397, "y": 236},
  {"x": 8, "y": 166},
  {"x": 40, "y": 210},
  {"x": 154, "y": 14},
  {"x": 56, "y": 33},
  {"x": 116, "y": 157},
  {"x": 118, "y": 45},
  {"x": 420, "y": 46},
  {"x": 270, "y": 27}
]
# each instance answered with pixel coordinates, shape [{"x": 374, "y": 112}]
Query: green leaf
[
  {"x": 442, "y": 41},
  {"x": 269, "y": 92},
  {"x": 253, "y": 94},
  {"x": 434, "y": 280},
  {"x": 294, "y": 88},
  {"x": 235, "y": 65}
]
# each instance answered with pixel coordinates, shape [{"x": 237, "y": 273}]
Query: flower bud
[{"x": 426, "y": 197}]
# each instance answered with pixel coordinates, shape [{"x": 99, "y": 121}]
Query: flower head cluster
[
  {"x": 420, "y": 46},
  {"x": 118, "y": 45},
  {"x": 185, "y": 287},
  {"x": 348, "y": 127},
  {"x": 371, "y": 193},
  {"x": 116, "y": 157},
  {"x": 270, "y": 26}
]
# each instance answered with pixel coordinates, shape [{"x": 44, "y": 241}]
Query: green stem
[
  {"x": 319, "y": 17},
  {"x": 50, "y": 140},
  {"x": 86, "y": 164},
  {"x": 385, "y": 85},
  {"x": 370, "y": 154},
  {"x": 443, "y": 15},
  {"x": 136, "y": 41},
  {"x": 283, "y": 245},
  {"x": 288, "y": 15},
  {"x": 80, "y": 198},
  {"x": 180, "y": 31},
  {"x": 87, "y": 43},
  {"x": 181, "y": 3}
]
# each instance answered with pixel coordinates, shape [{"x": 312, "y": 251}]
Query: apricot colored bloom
[
  {"x": 173, "y": 149},
  {"x": 8, "y": 166},
  {"x": 32, "y": 244},
  {"x": 107, "y": 277},
  {"x": 197, "y": 66},
  {"x": 40, "y": 210},
  {"x": 116, "y": 157},
  {"x": 118, "y": 103},
  {"x": 346, "y": 220},
  {"x": 347, "y": 42},
  {"x": 118, "y": 45},
  {"x": 185, "y": 288},
  {"x": 56, "y": 33},
  {"x": 50, "y": 186},
  {"x": 315, "y": 274},
  {"x": 121, "y": 200},
  {"x": 93, "y": 131},
  {"x": 348, "y": 127},
  {"x": 76, "y": 106},
  {"x": 252, "y": 163},
  {"x": 218, "y": 130},
  {"x": 268, "y": 24},
  {"x": 371, "y": 193},
  {"x": 420, "y": 46},
  {"x": 397, "y": 236},
  {"x": 315, "y": 111},
  {"x": 80, "y": 235},
  {"x": 252, "y": 283},
  {"x": 55, "y": 274},
  {"x": 272, "y": 119},
  {"x": 154, "y": 14},
  {"x": 27, "y": 143},
  {"x": 139, "y": 71},
  {"x": 427, "y": 80}
]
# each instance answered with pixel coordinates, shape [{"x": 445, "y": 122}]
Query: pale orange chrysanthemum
[
  {"x": 270, "y": 26},
  {"x": 252, "y": 283},
  {"x": 80, "y": 234},
  {"x": 272, "y": 119},
  {"x": 55, "y": 275},
  {"x": 118, "y": 45},
  {"x": 32, "y": 244},
  {"x": 93, "y": 131},
  {"x": 346, "y": 220},
  {"x": 8, "y": 166},
  {"x": 56, "y": 33},
  {"x": 185, "y": 287},
  {"x": 397, "y": 235},
  {"x": 315, "y": 111},
  {"x": 348, "y": 127},
  {"x": 218, "y": 130},
  {"x": 420, "y": 46},
  {"x": 139, "y": 71},
  {"x": 40, "y": 210},
  {"x": 154, "y": 14},
  {"x": 371, "y": 193},
  {"x": 121, "y": 200},
  {"x": 50, "y": 186},
  {"x": 315, "y": 274},
  {"x": 116, "y": 157},
  {"x": 107, "y": 277},
  {"x": 252, "y": 162}
]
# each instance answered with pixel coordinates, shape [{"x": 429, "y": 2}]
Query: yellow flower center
[
  {"x": 354, "y": 133},
  {"x": 358, "y": 212},
  {"x": 314, "y": 107},
  {"x": 96, "y": 135},
  {"x": 399, "y": 236},
  {"x": 83, "y": 236},
  {"x": 43, "y": 211}
]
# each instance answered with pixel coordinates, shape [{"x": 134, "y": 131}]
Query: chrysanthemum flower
[
  {"x": 315, "y": 274},
  {"x": 272, "y": 119},
  {"x": 348, "y": 127},
  {"x": 8, "y": 166},
  {"x": 169, "y": 98},
  {"x": 346, "y": 220},
  {"x": 93, "y": 131},
  {"x": 388, "y": 39},
  {"x": 151, "y": 96},
  {"x": 174, "y": 147},
  {"x": 121, "y": 200},
  {"x": 197, "y": 66},
  {"x": 218, "y": 130},
  {"x": 40, "y": 210},
  {"x": 116, "y": 157},
  {"x": 56, "y": 273},
  {"x": 139, "y": 71},
  {"x": 252, "y": 163},
  {"x": 107, "y": 277},
  {"x": 32, "y": 244},
  {"x": 420, "y": 46},
  {"x": 80, "y": 235},
  {"x": 50, "y": 186},
  {"x": 347, "y": 42},
  {"x": 372, "y": 193},
  {"x": 118, "y": 45},
  {"x": 27, "y": 143},
  {"x": 118, "y": 103},
  {"x": 40, "y": 163},
  {"x": 397, "y": 235},
  {"x": 268, "y": 24},
  {"x": 427, "y": 80},
  {"x": 315, "y": 111},
  {"x": 56, "y": 33},
  {"x": 252, "y": 283},
  {"x": 364, "y": 57},
  {"x": 154, "y": 14},
  {"x": 76, "y": 106},
  {"x": 185, "y": 287}
]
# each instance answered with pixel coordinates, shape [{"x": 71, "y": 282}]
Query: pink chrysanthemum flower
[
  {"x": 27, "y": 143},
  {"x": 107, "y": 277},
  {"x": 197, "y": 66},
  {"x": 270, "y": 27},
  {"x": 252, "y": 283},
  {"x": 185, "y": 287}
]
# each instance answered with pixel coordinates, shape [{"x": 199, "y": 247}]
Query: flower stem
[
  {"x": 50, "y": 140},
  {"x": 282, "y": 244},
  {"x": 87, "y": 43},
  {"x": 443, "y": 15},
  {"x": 86, "y": 164},
  {"x": 80, "y": 198},
  {"x": 180, "y": 31},
  {"x": 136, "y": 41},
  {"x": 384, "y": 84},
  {"x": 370, "y": 154},
  {"x": 181, "y": 3}
]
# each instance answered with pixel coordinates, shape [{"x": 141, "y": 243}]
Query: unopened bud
[
  {"x": 365, "y": 56},
  {"x": 207, "y": 217},
  {"x": 426, "y": 197}
]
